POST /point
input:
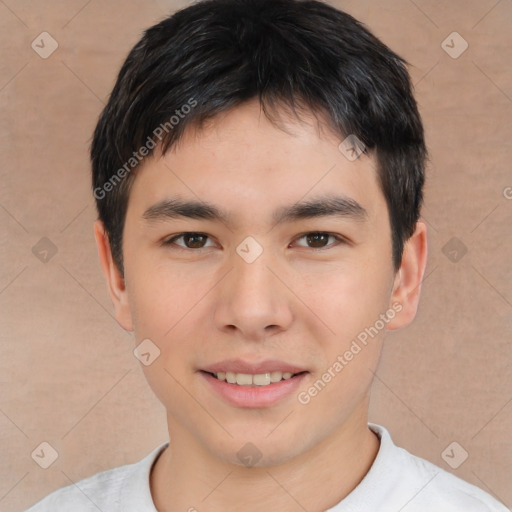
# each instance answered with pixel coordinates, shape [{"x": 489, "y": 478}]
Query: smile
[
  {"x": 253, "y": 390},
  {"x": 247, "y": 379}
]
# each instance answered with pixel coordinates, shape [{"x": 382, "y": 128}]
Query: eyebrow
[{"x": 325, "y": 206}]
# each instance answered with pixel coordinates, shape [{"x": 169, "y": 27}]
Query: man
[{"x": 258, "y": 173}]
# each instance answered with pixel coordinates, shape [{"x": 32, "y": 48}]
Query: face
[{"x": 281, "y": 266}]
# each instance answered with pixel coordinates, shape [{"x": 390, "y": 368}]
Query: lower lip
[{"x": 253, "y": 397}]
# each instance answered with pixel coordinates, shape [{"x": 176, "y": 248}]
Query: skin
[{"x": 296, "y": 302}]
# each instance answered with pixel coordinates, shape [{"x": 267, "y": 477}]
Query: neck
[{"x": 186, "y": 476}]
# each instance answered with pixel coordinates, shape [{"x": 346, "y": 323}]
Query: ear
[
  {"x": 407, "y": 284},
  {"x": 115, "y": 280}
]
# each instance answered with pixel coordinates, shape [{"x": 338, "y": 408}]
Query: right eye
[{"x": 191, "y": 240}]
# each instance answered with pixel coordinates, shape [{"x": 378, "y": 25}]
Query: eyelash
[{"x": 170, "y": 241}]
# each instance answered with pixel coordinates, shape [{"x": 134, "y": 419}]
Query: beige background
[{"x": 67, "y": 372}]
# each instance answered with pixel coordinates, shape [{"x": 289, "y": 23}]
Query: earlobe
[
  {"x": 408, "y": 279},
  {"x": 115, "y": 281}
]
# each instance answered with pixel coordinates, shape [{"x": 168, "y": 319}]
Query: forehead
[{"x": 243, "y": 162}]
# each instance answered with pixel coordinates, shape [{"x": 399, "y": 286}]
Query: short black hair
[{"x": 303, "y": 54}]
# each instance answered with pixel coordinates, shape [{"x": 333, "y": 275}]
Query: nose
[{"x": 253, "y": 302}]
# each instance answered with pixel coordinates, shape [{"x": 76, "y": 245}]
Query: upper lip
[{"x": 241, "y": 366}]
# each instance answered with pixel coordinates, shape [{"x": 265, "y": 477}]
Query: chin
[{"x": 258, "y": 450}]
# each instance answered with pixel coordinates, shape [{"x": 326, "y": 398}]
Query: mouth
[
  {"x": 258, "y": 379},
  {"x": 252, "y": 385}
]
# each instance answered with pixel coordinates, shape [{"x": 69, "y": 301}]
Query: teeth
[
  {"x": 245, "y": 379},
  {"x": 276, "y": 376},
  {"x": 262, "y": 379}
]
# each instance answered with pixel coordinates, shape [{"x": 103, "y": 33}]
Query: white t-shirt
[{"x": 397, "y": 481}]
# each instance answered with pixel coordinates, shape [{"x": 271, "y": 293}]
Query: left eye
[{"x": 319, "y": 239}]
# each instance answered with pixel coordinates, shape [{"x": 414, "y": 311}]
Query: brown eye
[
  {"x": 194, "y": 240},
  {"x": 190, "y": 241},
  {"x": 319, "y": 240}
]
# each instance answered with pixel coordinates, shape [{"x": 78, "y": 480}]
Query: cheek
[
  {"x": 343, "y": 299},
  {"x": 151, "y": 306},
  {"x": 161, "y": 305},
  {"x": 167, "y": 303},
  {"x": 159, "y": 294},
  {"x": 350, "y": 301}
]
